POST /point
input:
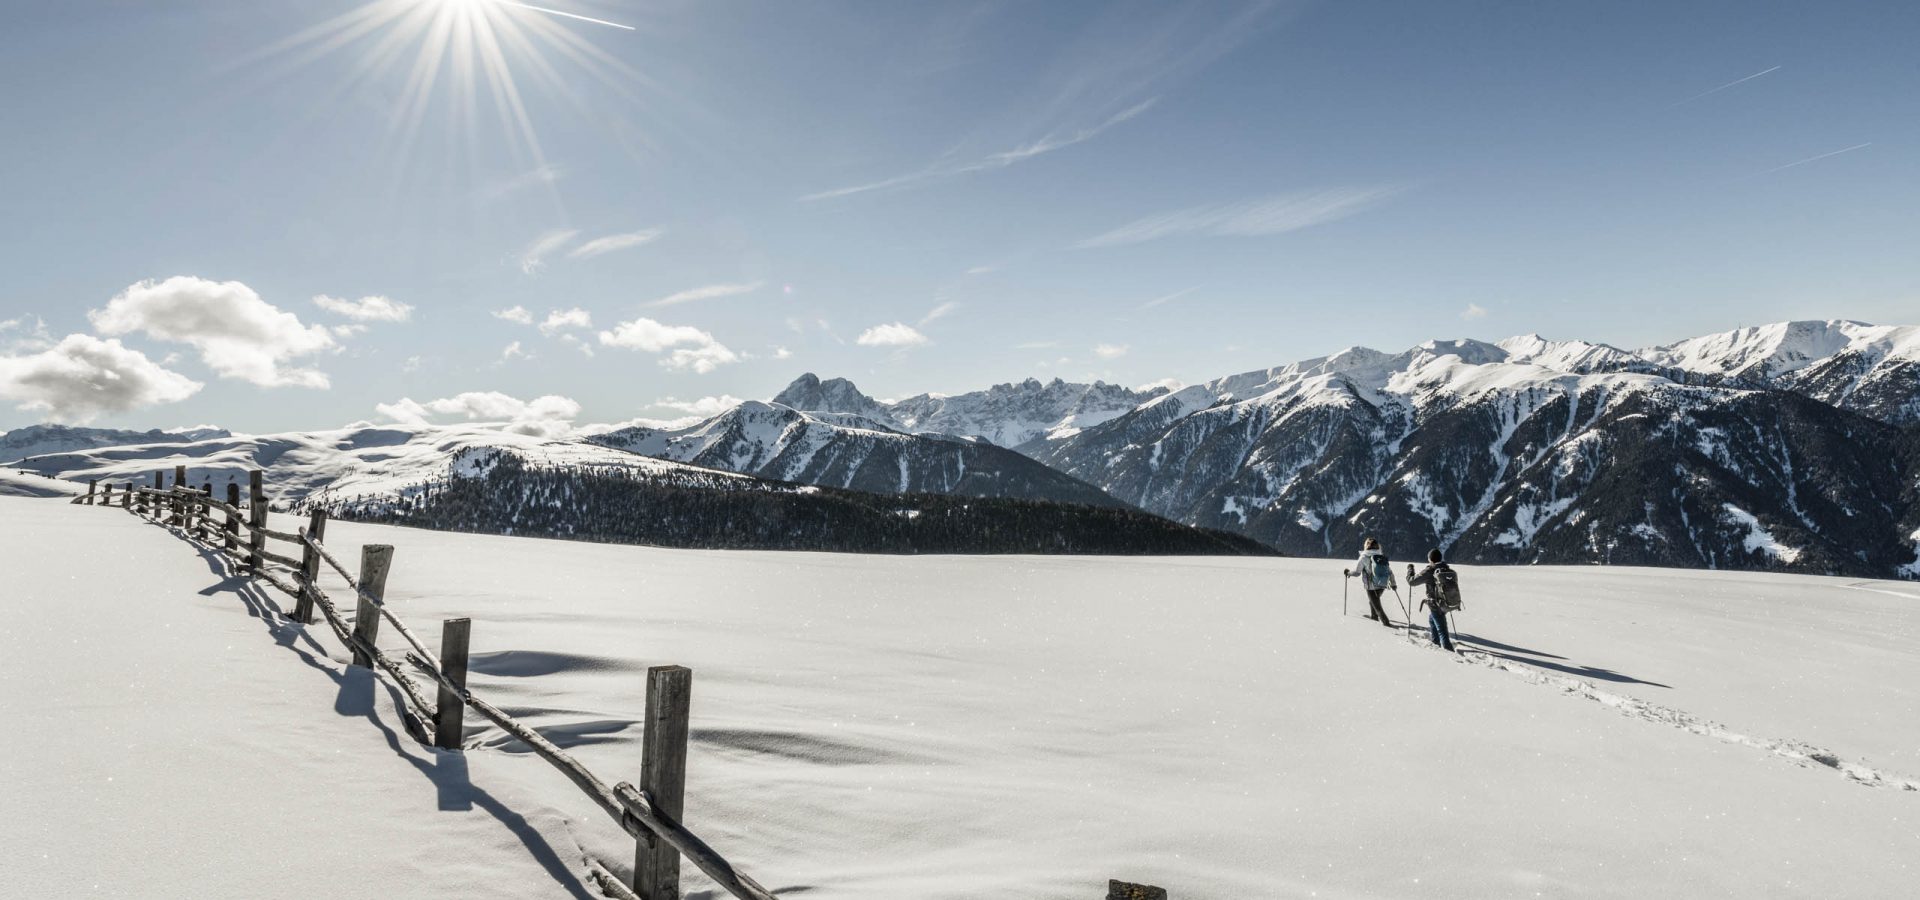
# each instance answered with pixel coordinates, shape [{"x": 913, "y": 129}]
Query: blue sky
[{"x": 732, "y": 193}]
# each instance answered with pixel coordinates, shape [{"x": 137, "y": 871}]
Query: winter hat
[{"x": 1433, "y": 556}]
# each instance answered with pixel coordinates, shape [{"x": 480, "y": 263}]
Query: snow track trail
[{"x": 1799, "y": 752}]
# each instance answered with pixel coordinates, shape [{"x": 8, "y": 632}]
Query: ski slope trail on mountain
[{"x": 964, "y": 727}]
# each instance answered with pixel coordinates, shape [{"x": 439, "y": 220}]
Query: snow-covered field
[{"x": 961, "y": 727}]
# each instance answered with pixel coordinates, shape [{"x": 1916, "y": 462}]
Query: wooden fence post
[
  {"x": 179, "y": 497},
  {"x": 1120, "y": 890},
  {"x": 153, "y": 503},
  {"x": 126, "y": 496},
  {"x": 233, "y": 517},
  {"x": 663, "y": 777},
  {"x": 310, "y": 566},
  {"x": 256, "y": 519},
  {"x": 203, "y": 522},
  {"x": 449, "y": 716},
  {"x": 106, "y": 495},
  {"x": 92, "y": 483},
  {"x": 375, "y": 561}
]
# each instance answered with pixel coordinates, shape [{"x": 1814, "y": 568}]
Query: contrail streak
[
  {"x": 1814, "y": 159},
  {"x": 555, "y": 12},
  {"x": 1725, "y": 86}
]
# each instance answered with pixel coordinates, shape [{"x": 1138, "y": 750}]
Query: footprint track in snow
[{"x": 1797, "y": 752}]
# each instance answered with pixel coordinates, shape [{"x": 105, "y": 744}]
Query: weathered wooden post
[
  {"x": 310, "y": 566},
  {"x": 1120, "y": 890},
  {"x": 179, "y": 496},
  {"x": 153, "y": 503},
  {"x": 203, "y": 502},
  {"x": 126, "y": 496},
  {"x": 92, "y": 483},
  {"x": 450, "y": 713},
  {"x": 106, "y": 495},
  {"x": 256, "y": 519},
  {"x": 375, "y": 561},
  {"x": 663, "y": 777},
  {"x": 233, "y": 517}
]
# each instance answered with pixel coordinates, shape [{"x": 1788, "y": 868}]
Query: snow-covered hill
[
  {"x": 846, "y": 450},
  {"x": 35, "y": 440},
  {"x": 952, "y": 728},
  {"x": 377, "y": 464}
]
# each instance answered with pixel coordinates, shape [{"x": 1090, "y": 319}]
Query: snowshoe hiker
[
  {"x": 1443, "y": 595},
  {"x": 1376, "y": 576}
]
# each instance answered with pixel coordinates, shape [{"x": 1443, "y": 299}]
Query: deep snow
[{"x": 964, "y": 727}]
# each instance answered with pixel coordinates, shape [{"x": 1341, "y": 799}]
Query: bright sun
[{"x": 456, "y": 46}]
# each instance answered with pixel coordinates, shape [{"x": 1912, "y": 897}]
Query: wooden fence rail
[{"x": 649, "y": 813}]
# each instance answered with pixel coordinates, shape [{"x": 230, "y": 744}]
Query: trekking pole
[
  {"x": 1343, "y": 593},
  {"x": 1403, "y": 606}
]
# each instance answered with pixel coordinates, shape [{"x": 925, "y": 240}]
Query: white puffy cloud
[
  {"x": 705, "y": 407},
  {"x": 514, "y": 351},
  {"x": 561, "y": 320},
  {"x": 238, "y": 334},
  {"x": 518, "y": 315},
  {"x": 683, "y": 346},
  {"x": 1170, "y": 384},
  {"x": 366, "y": 309},
  {"x": 1110, "y": 351},
  {"x": 547, "y": 416},
  {"x": 1474, "y": 311},
  {"x": 896, "y": 334},
  {"x": 613, "y": 242},
  {"x": 83, "y": 376}
]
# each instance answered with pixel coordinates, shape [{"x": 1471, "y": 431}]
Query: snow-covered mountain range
[
  {"x": 1784, "y": 446},
  {"x": 846, "y": 450},
  {"x": 1010, "y": 415}
]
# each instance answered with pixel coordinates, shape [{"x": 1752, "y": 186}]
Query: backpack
[
  {"x": 1382, "y": 574},
  {"x": 1449, "y": 583}
]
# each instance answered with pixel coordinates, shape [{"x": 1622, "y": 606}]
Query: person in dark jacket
[
  {"x": 1372, "y": 562},
  {"x": 1435, "y": 603}
]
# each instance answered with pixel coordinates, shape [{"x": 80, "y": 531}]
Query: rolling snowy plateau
[{"x": 958, "y": 727}]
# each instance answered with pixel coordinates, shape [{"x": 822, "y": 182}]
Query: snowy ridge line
[
  {"x": 1798, "y": 752},
  {"x": 631, "y": 808}
]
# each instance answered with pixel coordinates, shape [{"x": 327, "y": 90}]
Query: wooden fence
[{"x": 650, "y": 812}]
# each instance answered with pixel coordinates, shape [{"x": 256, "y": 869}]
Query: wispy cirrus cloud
[
  {"x": 708, "y": 292},
  {"x": 1249, "y": 218},
  {"x": 534, "y": 258},
  {"x": 1165, "y": 299},
  {"x": 1000, "y": 160},
  {"x": 1811, "y": 159},
  {"x": 613, "y": 242},
  {"x": 939, "y": 312},
  {"x": 1737, "y": 81}
]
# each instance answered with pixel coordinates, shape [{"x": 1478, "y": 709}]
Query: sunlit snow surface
[{"x": 945, "y": 727}]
